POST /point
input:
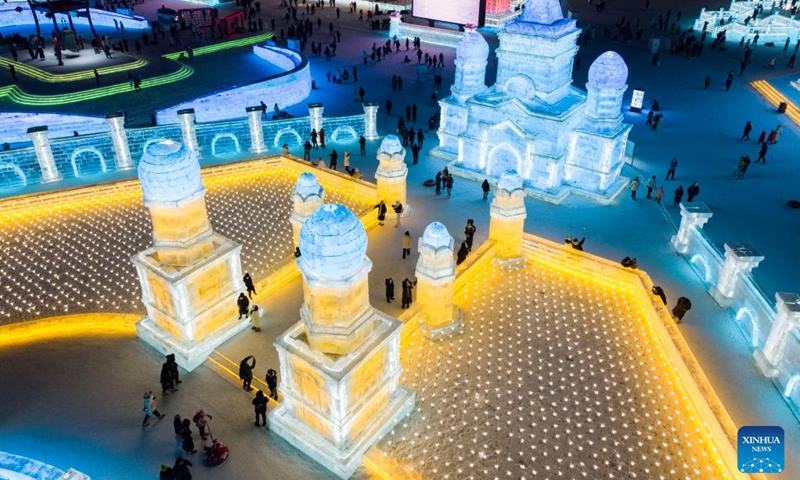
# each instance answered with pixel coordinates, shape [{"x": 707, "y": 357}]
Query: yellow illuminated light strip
[
  {"x": 265, "y": 387},
  {"x": 774, "y": 97},
  {"x": 99, "y": 324},
  {"x": 241, "y": 42},
  {"x": 48, "y": 77}
]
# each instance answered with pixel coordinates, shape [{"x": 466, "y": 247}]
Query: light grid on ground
[
  {"x": 558, "y": 373},
  {"x": 72, "y": 254}
]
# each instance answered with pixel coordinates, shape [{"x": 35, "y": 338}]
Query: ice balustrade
[
  {"x": 10, "y": 18},
  {"x": 771, "y": 28},
  {"x": 98, "y": 153},
  {"x": 727, "y": 277},
  {"x": 431, "y": 35}
]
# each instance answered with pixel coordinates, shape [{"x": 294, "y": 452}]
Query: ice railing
[
  {"x": 772, "y": 28},
  {"x": 770, "y": 327}
]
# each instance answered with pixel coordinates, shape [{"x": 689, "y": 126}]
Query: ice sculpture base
[
  {"x": 342, "y": 462},
  {"x": 456, "y": 327},
  {"x": 189, "y": 355},
  {"x": 764, "y": 366}
]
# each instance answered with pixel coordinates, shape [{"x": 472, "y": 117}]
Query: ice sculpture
[
  {"x": 391, "y": 174},
  {"x": 191, "y": 275},
  {"x": 436, "y": 272},
  {"x": 560, "y": 139},
  {"x": 340, "y": 364},
  {"x": 307, "y": 196},
  {"x": 508, "y": 215}
]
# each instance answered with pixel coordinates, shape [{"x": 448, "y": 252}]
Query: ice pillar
[
  {"x": 189, "y": 130},
  {"x": 122, "y": 153},
  {"x": 436, "y": 272},
  {"x": 191, "y": 276},
  {"x": 740, "y": 259},
  {"x": 315, "y": 116},
  {"x": 508, "y": 215},
  {"x": 786, "y": 320},
  {"x": 693, "y": 215},
  {"x": 256, "y": 130},
  {"x": 44, "y": 154},
  {"x": 371, "y": 121},
  {"x": 392, "y": 172},
  {"x": 340, "y": 364},
  {"x": 307, "y": 196},
  {"x": 395, "y": 20}
]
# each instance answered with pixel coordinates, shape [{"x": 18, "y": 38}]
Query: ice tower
[
  {"x": 191, "y": 275},
  {"x": 307, "y": 196},
  {"x": 532, "y": 119},
  {"x": 340, "y": 364}
]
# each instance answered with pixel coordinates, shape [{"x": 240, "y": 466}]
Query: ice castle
[{"x": 560, "y": 139}]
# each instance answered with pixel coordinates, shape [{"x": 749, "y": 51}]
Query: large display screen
[{"x": 461, "y": 12}]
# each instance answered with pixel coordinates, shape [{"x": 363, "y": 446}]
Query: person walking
[
  {"x": 449, "y": 185},
  {"x": 246, "y": 372},
  {"x": 678, "y": 196},
  {"x": 791, "y": 60},
  {"x": 692, "y": 191},
  {"x": 707, "y": 82},
  {"x": 748, "y": 127},
  {"x": 389, "y": 287},
  {"x": 307, "y": 151},
  {"x": 415, "y": 152},
  {"x": 381, "y": 208},
  {"x": 201, "y": 419},
  {"x": 469, "y": 233},
  {"x": 650, "y": 186},
  {"x": 659, "y": 194},
  {"x": 187, "y": 442},
  {"x": 177, "y": 427},
  {"x": 166, "y": 380},
  {"x": 771, "y": 65},
  {"x": 255, "y": 318},
  {"x": 347, "y": 161},
  {"x": 398, "y": 210},
  {"x": 181, "y": 469},
  {"x": 260, "y": 406},
  {"x": 321, "y": 135},
  {"x": 334, "y": 158},
  {"x": 272, "y": 383},
  {"x": 362, "y": 142},
  {"x": 763, "y": 137},
  {"x": 729, "y": 81},
  {"x": 438, "y": 183},
  {"x": 778, "y": 133},
  {"x": 771, "y": 137},
  {"x": 673, "y": 164},
  {"x": 150, "y": 408},
  {"x": 408, "y": 287},
  {"x": 485, "y": 187},
  {"x": 462, "y": 253},
  {"x": 244, "y": 304},
  {"x": 248, "y": 283},
  {"x": 389, "y": 106},
  {"x": 406, "y": 245},
  {"x": 314, "y": 138},
  {"x": 762, "y": 154},
  {"x": 634, "y": 187}
]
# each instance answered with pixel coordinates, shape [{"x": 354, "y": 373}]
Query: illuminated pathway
[
  {"x": 577, "y": 384},
  {"x": 70, "y": 253}
]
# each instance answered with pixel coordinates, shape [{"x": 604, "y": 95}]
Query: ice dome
[
  {"x": 544, "y": 12},
  {"x": 307, "y": 185},
  {"x": 510, "y": 181},
  {"x": 169, "y": 172},
  {"x": 333, "y": 243},
  {"x": 608, "y": 71},
  {"x": 437, "y": 236},
  {"x": 472, "y": 46},
  {"x": 391, "y": 145}
]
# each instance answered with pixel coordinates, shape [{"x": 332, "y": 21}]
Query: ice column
[
  {"x": 44, "y": 155},
  {"x": 122, "y": 153},
  {"x": 740, "y": 259},
  {"x": 391, "y": 174},
  {"x": 371, "y": 121},
  {"x": 693, "y": 215},
  {"x": 256, "y": 130},
  {"x": 472, "y": 53},
  {"x": 307, "y": 196},
  {"x": 189, "y": 130},
  {"x": 340, "y": 364},
  {"x": 508, "y": 215},
  {"x": 787, "y": 319},
  {"x": 191, "y": 276},
  {"x": 436, "y": 271},
  {"x": 395, "y": 20},
  {"x": 315, "y": 115}
]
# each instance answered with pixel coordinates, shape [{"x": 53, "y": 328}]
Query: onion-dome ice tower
[
  {"x": 340, "y": 364},
  {"x": 436, "y": 274},
  {"x": 191, "y": 275},
  {"x": 391, "y": 174},
  {"x": 307, "y": 196}
]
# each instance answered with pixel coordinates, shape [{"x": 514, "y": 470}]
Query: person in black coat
[
  {"x": 166, "y": 473},
  {"x": 660, "y": 293},
  {"x": 438, "y": 183},
  {"x": 244, "y": 305},
  {"x": 166, "y": 379},
  {"x": 485, "y": 187},
  {"x": 246, "y": 372},
  {"x": 260, "y": 405},
  {"x": 462, "y": 253},
  {"x": 678, "y": 196},
  {"x": 186, "y": 435},
  {"x": 469, "y": 232},
  {"x": 408, "y": 286},
  {"x": 248, "y": 283},
  {"x": 693, "y": 191},
  {"x": 173, "y": 368},
  {"x": 381, "y": 207},
  {"x": 181, "y": 469},
  {"x": 272, "y": 383},
  {"x": 683, "y": 306},
  {"x": 578, "y": 244},
  {"x": 389, "y": 284}
]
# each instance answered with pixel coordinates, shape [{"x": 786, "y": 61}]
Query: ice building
[
  {"x": 559, "y": 138},
  {"x": 191, "y": 276},
  {"x": 340, "y": 364}
]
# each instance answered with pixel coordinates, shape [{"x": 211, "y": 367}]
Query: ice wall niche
[
  {"x": 191, "y": 276},
  {"x": 560, "y": 139},
  {"x": 340, "y": 364}
]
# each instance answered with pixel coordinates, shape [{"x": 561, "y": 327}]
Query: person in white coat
[
  {"x": 255, "y": 318},
  {"x": 150, "y": 408}
]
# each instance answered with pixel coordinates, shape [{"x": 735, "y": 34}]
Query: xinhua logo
[{"x": 761, "y": 450}]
